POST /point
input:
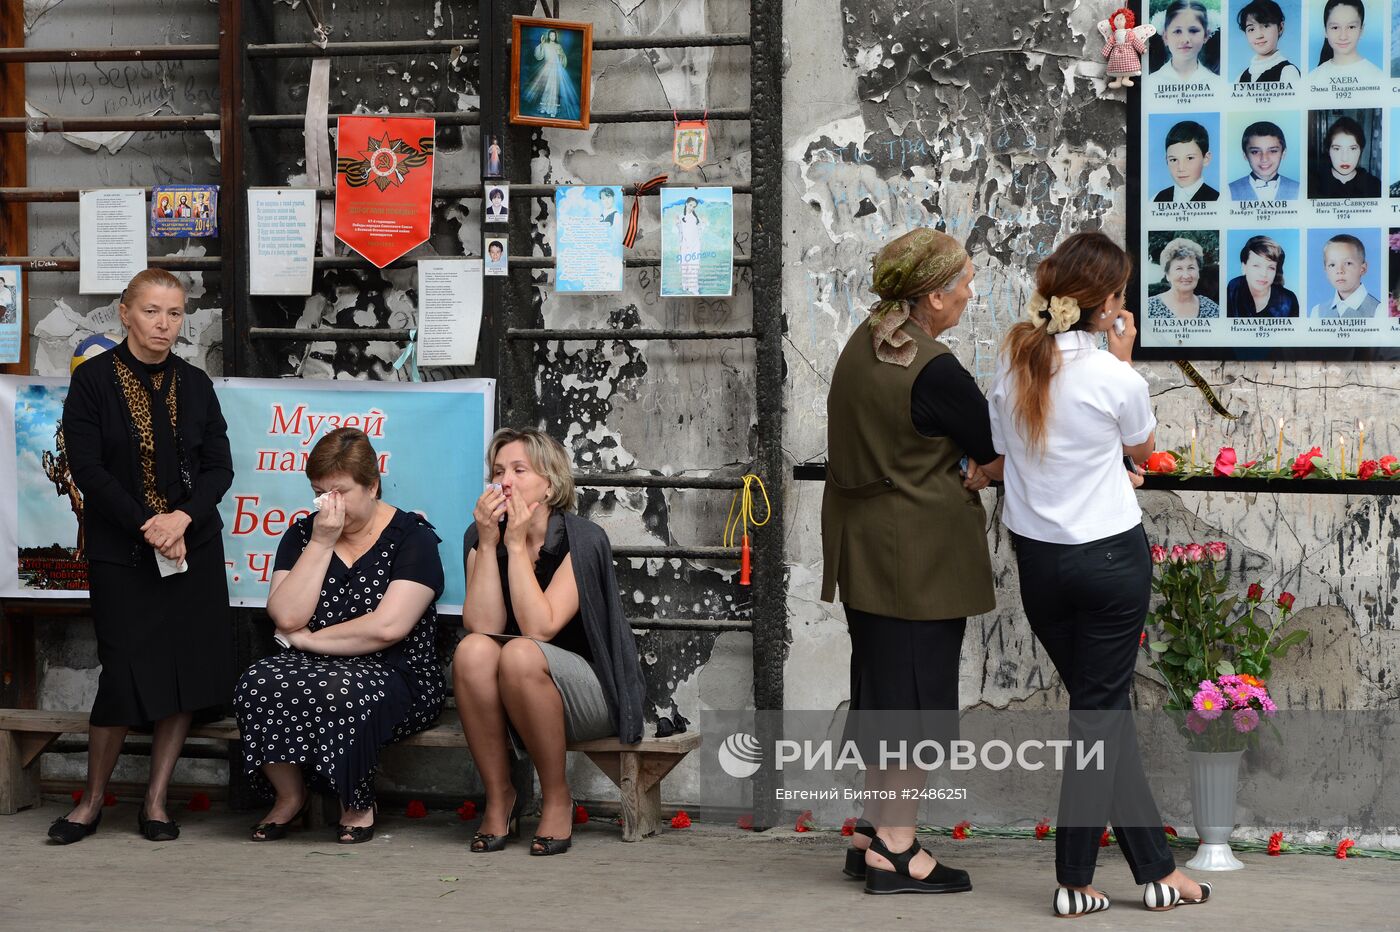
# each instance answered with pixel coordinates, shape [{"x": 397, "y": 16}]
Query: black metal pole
[{"x": 770, "y": 635}]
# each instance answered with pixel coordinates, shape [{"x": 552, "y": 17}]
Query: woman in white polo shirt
[{"x": 1064, "y": 413}]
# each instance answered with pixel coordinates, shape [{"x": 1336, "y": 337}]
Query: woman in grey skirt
[{"x": 549, "y": 657}]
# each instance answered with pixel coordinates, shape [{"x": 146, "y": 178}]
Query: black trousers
[
  {"x": 1086, "y": 604},
  {"x": 904, "y": 681}
]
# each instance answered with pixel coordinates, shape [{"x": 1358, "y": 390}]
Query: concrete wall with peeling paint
[
  {"x": 999, "y": 130},
  {"x": 897, "y": 114}
]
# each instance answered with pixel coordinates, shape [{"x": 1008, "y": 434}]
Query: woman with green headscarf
[{"x": 909, "y": 445}]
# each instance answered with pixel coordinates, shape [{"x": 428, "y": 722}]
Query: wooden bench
[{"x": 637, "y": 769}]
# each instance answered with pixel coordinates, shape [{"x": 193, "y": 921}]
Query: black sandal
[
  {"x": 276, "y": 831},
  {"x": 942, "y": 879},
  {"x": 353, "y": 834},
  {"x": 65, "y": 832},
  {"x": 357, "y": 834},
  {"x": 151, "y": 830},
  {"x": 855, "y": 857},
  {"x": 544, "y": 845},
  {"x": 485, "y": 842}
]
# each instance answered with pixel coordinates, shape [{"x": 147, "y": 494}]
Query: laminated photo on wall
[
  {"x": 588, "y": 229},
  {"x": 185, "y": 210},
  {"x": 697, "y": 242},
  {"x": 11, "y": 314}
]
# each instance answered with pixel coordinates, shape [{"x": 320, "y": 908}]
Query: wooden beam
[{"x": 14, "y": 169}]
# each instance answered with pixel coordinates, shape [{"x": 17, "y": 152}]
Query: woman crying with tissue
[{"x": 353, "y": 592}]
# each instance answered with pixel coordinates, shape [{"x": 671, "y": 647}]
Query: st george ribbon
[{"x": 383, "y": 184}]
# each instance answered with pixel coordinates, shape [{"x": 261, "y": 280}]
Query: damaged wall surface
[
  {"x": 898, "y": 113},
  {"x": 999, "y": 130}
]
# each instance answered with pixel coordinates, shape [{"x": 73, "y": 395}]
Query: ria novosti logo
[{"x": 740, "y": 755}]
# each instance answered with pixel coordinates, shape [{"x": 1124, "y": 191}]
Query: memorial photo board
[{"x": 1264, "y": 181}]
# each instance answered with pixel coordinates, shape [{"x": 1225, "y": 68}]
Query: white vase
[{"x": 1215, "y": 777}]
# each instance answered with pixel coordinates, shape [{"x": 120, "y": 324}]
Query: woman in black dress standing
[
  {"x": 148, "y": 449},
  {"x": 353, "y": 593}
]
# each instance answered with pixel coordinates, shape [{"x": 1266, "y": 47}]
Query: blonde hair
[
  {"x": 1182, "y": 248},
  {"x": 547, "y": 457},
  {"x": 149, "y": 278}
]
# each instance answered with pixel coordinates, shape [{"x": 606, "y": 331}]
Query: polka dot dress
[{"x": 332, "y": 715}]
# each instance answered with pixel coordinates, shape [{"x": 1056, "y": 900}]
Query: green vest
[{"x": 900, "y": 535}]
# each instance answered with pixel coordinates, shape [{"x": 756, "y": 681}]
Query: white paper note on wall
[
  {"x": 449, "y": 311},
  {"x": 111, "y": 237},
  {"x": 281, "y": 240}
]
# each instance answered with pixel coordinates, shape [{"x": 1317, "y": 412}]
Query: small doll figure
[{"x": 1124, "y": 45}]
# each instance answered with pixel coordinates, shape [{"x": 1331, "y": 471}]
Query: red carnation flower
[
  {"x": 1142, "y": 639},
  {"x": 680, "y": 820},
  {"x": 110, "y": 799},
  {"x": 1256, "y": 593},
  {"x": 580, "y": 815},
  {"x": 77, "y": 796},
  {"x": 1342, "y": 849},
  {"x": 1104, "y": 839},
  {"x": 1285, "y": 601},
  {"x": 467, "y": 811},
  {"x": 1276, "y": 844},
  {"x": 1303, "y": 466},
  {"x": 199, "y": 802},
  {"x": 1170, "y": 831},
  {"x": 848, "y": 828},
  {"x": 416, "y": 809},
  {"x": 745, "y": 821},
  {"x": 1367, "y": 469},
  {"x": 805, "y": 822},
  {"x": 1225, "y": 461},
  {"x": 960, "y": 831},
  {"x": 1042, "y": 828},
  {"x": 1390, "y": 464}
]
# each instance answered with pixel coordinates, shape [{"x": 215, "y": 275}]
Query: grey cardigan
[{"x": 609, "y": 636}]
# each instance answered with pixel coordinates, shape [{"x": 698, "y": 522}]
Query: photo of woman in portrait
[
  {"x": 1186, "y": 49},
  {"x": 551, "y": 92},
  {"x": 1344, "y": 156},
  {"x": 1258, "y": 290},
  {"x": 1262, "y": 26},
  {"x": 1345, "y": 50},
  {"x": 689, "y": 227},
  {"x": 1190, "y": 276},
  {"x": 1393, "y": 302}
]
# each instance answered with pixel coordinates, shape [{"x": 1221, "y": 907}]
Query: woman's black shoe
[
  {"x": 276, "y": 831},
  {"x": 353, "y": 834},
  {"x": 485, "y": 843},
  {"x": 543, "y": 845},
  {"x": 151, "y": 830},
  {"x": 64, "y": 832},
  {"x": 855, "y": 857},
  {"x": 942, "y": 879}
]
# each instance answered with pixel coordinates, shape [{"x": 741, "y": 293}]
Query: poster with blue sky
[
  {"x": 697, "y": 242},
  {"x": 589, "y": 226}
]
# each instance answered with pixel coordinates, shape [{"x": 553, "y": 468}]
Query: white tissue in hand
[{"x": 320, "y": 501}]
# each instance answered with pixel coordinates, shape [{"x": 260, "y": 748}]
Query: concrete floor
[{"x": 418, "y": 874}]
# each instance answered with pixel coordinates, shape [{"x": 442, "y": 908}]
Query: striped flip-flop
[
  {"x": 1160, "y": 897},
  {"x": 1071, "y": 904}
]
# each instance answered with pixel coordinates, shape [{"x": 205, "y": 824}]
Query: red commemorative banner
[{"x": 383, "y": 184}]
